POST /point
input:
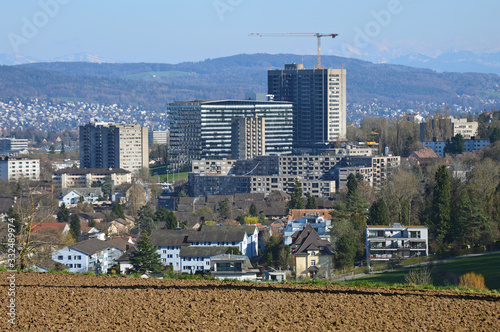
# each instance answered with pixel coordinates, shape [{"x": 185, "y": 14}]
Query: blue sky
[{"x": 172, "y": 31}]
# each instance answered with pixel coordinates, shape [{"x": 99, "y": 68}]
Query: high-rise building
[
  {"x": 203, "y": 129},
  {"x": 110, "y": 145},
  {"x": 248, "y": 137},
  {"x": 12, "y": 145},
  {"x": 15, "y": 168},
  {"x": 319, "y": 103}
]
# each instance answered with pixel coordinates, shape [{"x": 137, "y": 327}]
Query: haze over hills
[{"x": 372, "y": 89}]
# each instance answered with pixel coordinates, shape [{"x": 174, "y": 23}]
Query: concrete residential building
[
  {"x": 158, "y": 137},
  {"x": 203, "y": 129},
  {"x": 384, "y": 243},
  {"x": 248, "y": 137},
  {"x": 319, "y": 102},
  {"x": 469, "y": 145},
  {"x": 15, "y": 168},
  {"x": 110, "y": 145},
  {"x": 84, "y": 177},
  {"x": 468, "y": 129}
]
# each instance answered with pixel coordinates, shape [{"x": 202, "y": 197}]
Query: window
[
  {"x": 71, "y": 266},
  {"x": 78, "y": 265},
  {"x": 60, "y": 258},
  {"x": 164, "y": 251},
  {"x": 69, "y": 258},
  {"x": 169, "y": 256},
  {"x": 313, "y": 262}
]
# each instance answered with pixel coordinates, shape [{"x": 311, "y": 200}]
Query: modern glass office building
[{"x": 202, "y": 129}]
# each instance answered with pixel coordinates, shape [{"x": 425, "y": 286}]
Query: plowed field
[{"x": 58, "y": 302}]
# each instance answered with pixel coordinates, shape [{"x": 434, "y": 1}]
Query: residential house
[
  {"x": 385, "y": 243},
  {"x": 227, "y": 266},
  {"x": 313, "y": 256},
  {"x": 423, "y": 157},
  {"x": 274, "y": 275},
  {"x": 319, "y": 219},
  {"x": 75, "y": 195},
  {"x": 89, "y": 255},
  {"x": 172, "y": 244}
]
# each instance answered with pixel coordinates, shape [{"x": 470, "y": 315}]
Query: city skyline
[{"x": 174, "y": 31}]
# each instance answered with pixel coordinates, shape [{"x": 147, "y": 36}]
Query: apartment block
[
  {"x": 15, "y": 168},
  {"x": 12, "y": 145},
  {"x": 469, "y": 145},
  {"x": 84, "y": 177},
  {"x": 319, "y": 103},
  {"x": 384, "y": 243},
  {"x": 248, "y": 137},
  {"x": 467, "y": 129},
  {"x": 110, "y": 145}
]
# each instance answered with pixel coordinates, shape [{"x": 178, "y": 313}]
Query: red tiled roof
[
  {"x": 299, "y": 213},
  {"x": 44, "y": 225}
]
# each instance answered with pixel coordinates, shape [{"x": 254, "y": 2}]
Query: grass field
[
  {"x": 161, "y": 172},
  {"x": 487, "y": 265}
]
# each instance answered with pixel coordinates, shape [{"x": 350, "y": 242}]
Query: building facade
[
  {"x": 319, "y": 101},
  {"x": 248, "y": 137},
  {"x": 15, "y": 168},
  {"x": 84, "y": 177},
  {"x": 110, "y": 145},
  {"x": 469, "y": 145},
  {"x": 12, "y": 145},
  {"x": 468, "y": 129},
  {"x": 203, "y": 129},
  {"x": 384, "y": 243}
]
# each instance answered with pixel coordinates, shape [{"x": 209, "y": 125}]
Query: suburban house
[
  {"x": 190, "y": 250},
  {"x": 84, "y": 177},
  {"x": 319, "y": 219},
  {"x": 90, "y": 255},
  {"x": 227, "y": 266},
  {"x": 274, "y": 275},
  {"x": 43, "y": 227},
  {"x": 74, "y": 195},
  {"x": 48, "y": 265},
  {"x": 384, "y": 243},
  {"x": 423, "y": 157},
  {"x": 313, "y": 255}
]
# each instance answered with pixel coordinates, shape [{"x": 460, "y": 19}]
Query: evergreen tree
[
  {"x": 118, "y": 211},
  {"x": 16, "y": 218},
  {"x": 225, "y": 209},
  {"x": 75, "y": 227},
  {"x": 63, "y": 213},
  {"x": 146, "y": 258},
  {"x": 146, "y": 219},
  {"x": 63, "y": 151},
  {"x": 456, "y": 146},
  {"x": 441, "y": 204},
  {"x": 379, "y": 213},
  {"x": 52, "y": 150},
  {"x": 91, "y": 222},
  {"x": 253, "y": 210},
  {"x": 296, "y": 201},
  {"x": 470, "y": 223},
  {"x": 166, "y": 216},
  {"x": 107, "y": 186},
  {"x": 345, "y": 252},
  {"x": 311, "y": 202}
]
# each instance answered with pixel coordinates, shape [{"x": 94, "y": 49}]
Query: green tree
[
  {"x": 146, "y": 257},
  {"x": 494, "y": 134},
  {"x": 74, "y": 226},
  {"x": 441, "y": 204},
  {"x": 63, "y": 213},
  {"x": 118, "y": 211},
  {"x": 311, "y": 202},
  {"x": 253, "y": 210},
  {"x": 296, "y": 201},
  {"x": 63, "y": 151},
  {"x": 470, "y": 223},
  {"x": 91, "y": 222},
  {"x": 16, "y": 219},
  {"x": 345, "y": 252},
  {"x": 379, "y": 214},
  {"x": 107, "y": 186},
  {"x": 456, "y": 145},
  {"x": 146, "y": 219},
  {"x": 52, "y": 150},
  {"x": 224, "y": 209},
  {"x": 166, "y": 216},
  {"x": 234, "y": 251}
]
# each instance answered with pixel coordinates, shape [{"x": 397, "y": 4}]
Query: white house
[
  {"x": 384, "y": 243},
  {"x": 228, "y": 266},
  {"x": 316, "y": 218},
  {"x": 89, "y": 255},
  {"x": 72, "y": 196},
  {"x": 190, "y": 250}
]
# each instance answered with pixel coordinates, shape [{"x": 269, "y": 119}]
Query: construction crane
[{"x": 317, "y": 35}]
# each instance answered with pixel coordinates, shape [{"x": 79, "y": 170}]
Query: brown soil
[{"x": 58, "y": 302}]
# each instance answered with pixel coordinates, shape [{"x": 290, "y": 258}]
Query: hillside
[{"x": 373, "y": 89}]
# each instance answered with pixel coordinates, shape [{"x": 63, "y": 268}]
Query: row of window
[{"x": 76, "y": 257}]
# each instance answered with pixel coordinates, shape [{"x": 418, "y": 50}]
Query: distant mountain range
[
  {"x": 10, "y": 60},
  {"x": 462, "y": 62},
  {"x": 372, "y": 89}
]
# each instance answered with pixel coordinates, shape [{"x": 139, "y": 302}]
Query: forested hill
[{"x": 369, "y": 86}]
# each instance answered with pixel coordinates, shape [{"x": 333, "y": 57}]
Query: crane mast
[{"x": 317, "y": 35}]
